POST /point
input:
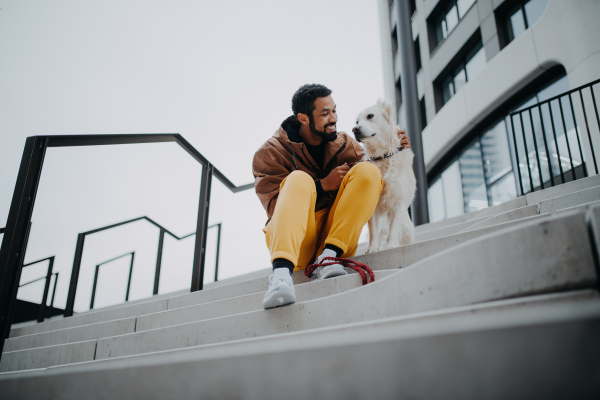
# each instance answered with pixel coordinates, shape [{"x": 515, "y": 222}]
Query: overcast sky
[{"x": 220, "y": 73}]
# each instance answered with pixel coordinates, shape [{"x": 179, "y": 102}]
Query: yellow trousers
[{"x": 293, "y": 230}]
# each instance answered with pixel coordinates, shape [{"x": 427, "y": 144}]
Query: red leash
[
  {"x": 359, "y": 267},
  {"x": 362, "y": 269}
]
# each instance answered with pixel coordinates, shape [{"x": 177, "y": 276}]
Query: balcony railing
[
  {"x": 16, "y": 233},
  {"x": 556, "y": 140}
]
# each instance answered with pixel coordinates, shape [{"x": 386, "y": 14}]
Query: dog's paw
[{"x": 371, "y": 251}]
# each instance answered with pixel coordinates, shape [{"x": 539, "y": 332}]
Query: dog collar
[{"x": 387, "y": 155}]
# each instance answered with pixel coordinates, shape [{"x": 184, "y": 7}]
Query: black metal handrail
[
  {"x": 537, "y": 110},
  {"x": 132, "y": 254},
  {"x": 16, "y": 234},
  {"x": 48, "y": 278},
  {"x": 161, "y": 239}
]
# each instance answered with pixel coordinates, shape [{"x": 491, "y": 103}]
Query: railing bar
[
  {"x": 562, "y": 115},
  {"x": 562, "y": 175},
  {"x": 560, "y": 95},
  {"x": 546, "y": 147},
  {"x": 587, "y": 127},
  {"x": 46, "y": 289},
  {"x": 526, "y": 152},
  {"x": 597, "y": 119},
  {"x": 512, "y": 123},
  {"x": 129, "y": 280},
  {"x": 2, "y": 230},
  {"x": 35, "y": 262},
  {"x": 536, "y": 150},
  {"x": 218, "y": 249},
  {"x": 51, "y": 308},
  {"x": 112, "y": 226},
  {"x": 35, "y": 280},
  {"x": 94, "y": 287},
  {"x": 116, "y": 258},
  {"x": 585, "y": 174}
]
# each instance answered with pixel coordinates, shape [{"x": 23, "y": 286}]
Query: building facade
[{"x": 477, "y": 61}]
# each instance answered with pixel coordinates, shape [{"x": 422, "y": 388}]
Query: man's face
[{"x": 324, "y": 119}]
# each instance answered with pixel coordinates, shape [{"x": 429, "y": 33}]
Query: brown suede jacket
[{"x": 285, "y": 152}]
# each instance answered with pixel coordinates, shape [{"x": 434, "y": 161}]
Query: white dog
[{"x": 390, "y": 226}]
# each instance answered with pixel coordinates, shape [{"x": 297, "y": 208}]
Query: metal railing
[
  {"x": 555, "y": 143},
  {"x": 16, "y": 233},
  {"x": 48, "y": 278},
  {"x": 132, "y": 254}
]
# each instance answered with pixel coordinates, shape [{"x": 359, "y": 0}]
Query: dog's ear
[{"x": 386, "y": 106}]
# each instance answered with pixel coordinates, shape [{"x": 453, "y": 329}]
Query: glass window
[
  {"x": 435, "y": 202},
  {"x": 453, "y": 191},
  {"x": 451, "y": 19},
  {"x": 517, "y": 24},
  {"x": 503, "y": 190},
  {"x": 460, "y": 79},
  {"x": 464, "y": 6},
  {"x": 447, "y": 90},
  {"x": 496, "y": 154},
  {"x": 534, "y": 10},
  {"x": 473, "y": 183},
  {"x": 475, "y": 62}
]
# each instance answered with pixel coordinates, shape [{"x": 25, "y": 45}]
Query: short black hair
[{"x": 303, "y": 100}]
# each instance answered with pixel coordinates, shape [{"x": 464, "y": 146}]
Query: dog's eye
[{"x": 370, "y": 116}]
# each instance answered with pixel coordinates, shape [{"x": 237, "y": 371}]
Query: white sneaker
[
  {"x": 280, "y": 292},
  {"x": 328, "y": 271}
]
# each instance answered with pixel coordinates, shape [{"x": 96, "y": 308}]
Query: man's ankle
[{"x": 283, "y": 265}]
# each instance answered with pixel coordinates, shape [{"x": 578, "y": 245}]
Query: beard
[{"x": 330, "y": 137}]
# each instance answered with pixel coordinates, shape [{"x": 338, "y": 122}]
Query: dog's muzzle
[{"x": 357, "y": 133}]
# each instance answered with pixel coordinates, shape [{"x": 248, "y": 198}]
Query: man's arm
[{"x": 268, "y": 175}]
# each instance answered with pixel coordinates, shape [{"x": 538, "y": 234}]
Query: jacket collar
[{"x": 289, "y": 135}]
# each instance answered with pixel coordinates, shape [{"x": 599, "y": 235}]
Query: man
[{"x": 299, "y": 173}]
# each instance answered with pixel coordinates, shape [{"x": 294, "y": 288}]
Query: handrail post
[
  {"x": 94, "y": 287},
  {"x": 16, "y": 235},
  {"x": 46, "y": 290},
  {"x": 218, "y": 249},
  {"x": 75, "y": 275},
  {"x": 129, "y": 279},
  {"x": 201, "y": 228},
  {"x": 161, "y": 242},
  {"x": 51, "y": 308}
]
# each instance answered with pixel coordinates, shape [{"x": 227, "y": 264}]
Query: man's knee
[
  {"x": 299, "y": 179},
  {"x": 366, "y": 173}
]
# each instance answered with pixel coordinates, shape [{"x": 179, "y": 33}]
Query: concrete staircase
[{"x": 499, "y": 303}]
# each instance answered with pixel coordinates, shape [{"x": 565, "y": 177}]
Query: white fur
[{"x": 390, "y": 226}]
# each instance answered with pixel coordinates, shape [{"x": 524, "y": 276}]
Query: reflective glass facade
[{"x": 483, "y": 174}]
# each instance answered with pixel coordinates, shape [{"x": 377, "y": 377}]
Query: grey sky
[{"x": 220, "y": 73}]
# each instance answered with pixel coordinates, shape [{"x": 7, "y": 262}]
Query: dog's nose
[{"x": 356, "y": 130}]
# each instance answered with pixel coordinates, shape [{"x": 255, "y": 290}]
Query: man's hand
[
  {"x": 334, "y": 179},
  {"x": 404, "y": 140}
]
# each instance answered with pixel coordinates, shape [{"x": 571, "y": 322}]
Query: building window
[
  {"x": 398, "y": 92},
  {"x": 423, "y": 112},
  {"x": 468, "y": 68},
  {"x": 484, "y": 172},
  {"x": 413, "y": 7},
  {"x": 451, "y": 14},
  {"x": 418, "y": 64},
  {"x": 394, "y": 44},
  {"x": 520, "y": 17}
]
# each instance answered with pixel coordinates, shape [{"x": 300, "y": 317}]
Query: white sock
[
  {"x": 327, "y": 253},
  {"x": 283, "y": 272}
]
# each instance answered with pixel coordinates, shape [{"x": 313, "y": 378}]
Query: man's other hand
[
  {"x": 404, "y": 140},
  {"x": 334, "y": 179}
]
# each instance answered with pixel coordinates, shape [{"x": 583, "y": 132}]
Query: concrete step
[
  {"x": 477, "y": 223},
  {"x": 147, "y": 307},
  {"x": 539, "y": 257},
  {"x": 404, "y": 256},
  {"x": 220, "y": 308},
  {"x": 582, "y": 207},
  {"x": 561, "y": 190},
  {"x": 516, "y": 353},
  {"x": 513, "y": 204},
  {"x": 570, "y": 200},
  {"x": 536, "y": 306},
  {"x": 528, "y": 199}
]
